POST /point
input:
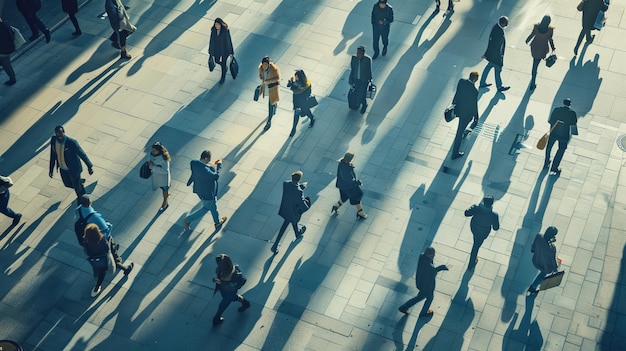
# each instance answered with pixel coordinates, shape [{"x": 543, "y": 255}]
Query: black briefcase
[
  {"x": 353, "y": 102},
  {"x": 234, "y": 68},
  {"x": 448, "y": 114},
  {"x": 145, "y": 172},
  {"x": 257, "y": 93},
  {"x": 552, "y": 280}
]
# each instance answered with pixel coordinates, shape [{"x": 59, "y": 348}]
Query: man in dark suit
[
  {"x": 65, "y": 154},
  {"x": 466, "y": 108},
  {"x": 564, "y": 118},
  {"x": 360, "y": 76},
  {"x": 483, "y": 220},
  {"x": 425, "y": 283},
  {"x": 495, "y": 54},
  {"x": 382, "y": 17},
  {"x": 292, "y": 206}
]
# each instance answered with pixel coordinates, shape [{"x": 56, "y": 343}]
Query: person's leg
[
  {"x": 534, "y": 72},
  {"x": 405, "y": 307},
  {"x": 376, "y": 35},
  {"x": 122, "y": 36},
  {"x": 5, "y": 62},
  {"x": 588, "y": 36},
  {"x": 72, "y": 17},
  {"x": 297, "y": 231},
  {"x": 483, "y": 77},
  {"x": 385, "y": 37},
  {"x": 4, "y": 206},
  {"x": 478, "y": 242},
  {"x": 535, "y": 284},
  {"x": 546, "y": 161},
  {"x": 212, "y": 206},
  {"x": 296, "y": 118},
  {"x": 197, "y": 213},
  {"x": 497, "y": 72},
  {"x": 281, "y": 231},
  {"x": 245, "y": 304},
  {"x": 226, "y": 301},
  {"x": 437, "y": 5},
  {"x": 31, "y": 24},
  {"x": 224, "y": 68},
  {"x": 459, "y": 135},
  {"x": 101, "y": 274},
  {"x": 41, "y": 27},
  {"x": 166, "y": 195},
  {"x": 580, "y": 39},
  {"x": 450, "y": 5},
  {"x": 559, "y": 155},
  {"x": 362, "y": 91},
  {"x": 77, "y": 184},
  {"x": 429, "y": 300}
]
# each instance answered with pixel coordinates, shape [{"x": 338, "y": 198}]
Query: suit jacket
[
  {"x": 567, "y": 118},
  {"x": 426, "y": 273},
  {"x": 366, "y": 69},
  {"x": 590, "y": 12},
  {"x": 496, "y": 46},
  {"x": 73, "y": 153},
  {"x": 466, "y": 100},
  {"x": 483, "y": 219},
  {"x": 544, "y": 254},
  {"x": 204, "y": 178},
  {"x": 387, "y": 18},
  {"x": 293, "y": 204}
]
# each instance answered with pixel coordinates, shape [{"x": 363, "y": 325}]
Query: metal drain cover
[{"x": 621, "y": 142}]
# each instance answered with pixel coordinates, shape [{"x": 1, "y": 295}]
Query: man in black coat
[
  {"x": 28, "y": 9},
  {"x": 483, "y": 220},
  {"x": 565, "y": 118},
  {"x": 65, "y": 154},
  {"x": 382, "y": 17},
  {"x": 466, "y": 108},
  {"x": 360, "y": 76},
  {"x": 7, "y": 47},
  {"x": 292, "y": 206},
  {"x": 425, "y": 282},
  {"x": 495, "y": 54}
]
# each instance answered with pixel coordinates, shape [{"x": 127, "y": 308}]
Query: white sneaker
[{"x": 96, "y": 291}]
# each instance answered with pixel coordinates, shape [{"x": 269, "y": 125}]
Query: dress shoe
[
  {"x": 221, "y": 222},
  {"x": 10, "y": 82},
  {"x": 428, "y": 314},
  {"x": 457, "y": 155},
  {"x": 403, "y": 310},
  {"x": 312, "y": 123},
  {"x": 301, "y": 232},
  {"x": 375, "y": 55},
  {"x": 531, "y": 292},
  {"x": 217, "y": 320},
  {"x": 17, "y": 219},
  {"x": 268, "y": 125},
  {"x": 77, "y": 33},
  {"x": 485, "y": 85},
  {"x": 245, "y": 304},
  {"x": 384, "y": 50},
  {"x": 124, "y": 55},
  {"x": 129, "y": 269},
  {"x": 503, "y": 88},
  {"x": 363, "y": 108},
  {"x": 47, "y": 35}
]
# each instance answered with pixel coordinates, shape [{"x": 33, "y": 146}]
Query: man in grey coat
[
  {"x": 483, "y": 220},
  {"x": 466, "y": 108},
  {"x": 292, "y": 206}
]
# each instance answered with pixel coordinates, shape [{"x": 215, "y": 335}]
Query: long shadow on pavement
[{"x": 527, "y": 336}]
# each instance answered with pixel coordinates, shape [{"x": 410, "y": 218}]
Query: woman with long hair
[
  {"x": 221, "y": 45},
  {"x": 160, "y": 165},
  {"x": 270, "y": 80},
  {"x": 228, "y": 280},
  {"x": 540, "y": 46},
  {"x": 349, "y": 186},
  {"x": 300, "y": 85}
]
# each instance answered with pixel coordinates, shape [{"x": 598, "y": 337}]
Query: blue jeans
[
  {"x": 4, "y": 205},
  {"x": 207, "y": 205},
  {"x": 497, "y": 70}
]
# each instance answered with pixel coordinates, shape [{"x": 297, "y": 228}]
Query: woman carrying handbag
[
  {"x": 349, "y": 186},
  {"x": 302, "y": 99},
  {"x": 540, "y": 46},
  {"x": 220, "y": 45},
  {"x": 159, "y": 164}
]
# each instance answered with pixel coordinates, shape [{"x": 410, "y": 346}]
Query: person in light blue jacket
[{"x": 204, "y": 178}]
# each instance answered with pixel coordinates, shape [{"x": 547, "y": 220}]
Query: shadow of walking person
[
  {"x": 581, "y": 84},
  {"x": 354, "y": 24},
  {"x": 527, "y": 336}
]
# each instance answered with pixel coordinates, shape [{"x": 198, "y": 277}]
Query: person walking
[
  {"x": 71, "y": 8},
  {"x": 204, "y": 178},
  {"x": 425, "y": 283},
  {"x": 292, "y": 206},
  {"x": 97, "y": 248},
  {"x": 540, "y": 46},
  {"x": 5, "y": 184},
  {"x": 159, "y": 163},
  {"x": 221, "y": 45},
  {"x": 544, "y": 257},
  {"x": 120, "y": 23},
  {"x": 590, "y": 10},
  {"x": 466, "y": 108},
  {"x": 360, "y": 76},
  {"x": 228, "y": 280},
  {"x": 28, "y": 9},
  {"x": 7, "y": 47},
  {"x": 483, "y": 220},
  {"x": 65, "y": 155},
  {"x": 565, "y": 119},
  {"x": 349, "y": 186},
  {"x": 495, "y": 54},
  {"x": 301, "y": 88},
  {"x": 270, "y": 81},
  {"x": 382, "y": 17},
  {"x": 450, "y": 6}
]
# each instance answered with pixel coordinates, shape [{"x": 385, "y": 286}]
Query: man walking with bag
[
  {"x": 292, "y": 206},
  {"x": 382, "y": 17},
  {"x": 360, "y": 76},
  {"x": 5, "y": 184},
  {"x": 466, "y": 108},
  {"x": 204, "y": 178},
  {"x": 562, "y": 120},
  {"x": 483, "y": 220},
  {"x": 495, "y": 54},
  {"x": 544, "y": 257}
]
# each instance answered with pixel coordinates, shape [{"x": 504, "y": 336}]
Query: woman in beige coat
[{"x": 270, "y": 80}]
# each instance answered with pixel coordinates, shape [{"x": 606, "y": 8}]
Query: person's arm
[
  {"x": 352, "y": 75},
  {"x": 373, "y": 16},
  {"x": 443, "y": 267},
  {"x": 53, "y": 157},
  {"x": 496, "y": 221},
  {"x": 470, "y": 211},
  {"x": 229, "y": 44},
  {"x": 389, "y": 14},
  {"x": 531, "y": 35},
  {"x": 83, "y": 156}
]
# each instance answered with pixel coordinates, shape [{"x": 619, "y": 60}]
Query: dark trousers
[
  {"x": 120, "y": 37},
  {"x": 34, "y": 23},
  {"x": 534, "y": 70},
  {"x": 463, "y": 122},
  {"x": 100, "y": 274},
  {"x": 222, "y": 62},
  {"x": 361, "y": 91},
  {"x": 296, "y": 117},
  {"x": 584, "y": 32},
  {"x": 428, "y": 295},
  {"x": 281, "y": 232},
  {"x": 479, "y": 239},
  {"x": 72, "y": 17},
  {"x": 559, "y": 153},
  {"x": 5, "y": 62},
  {"x": 380, "y": 30},
  {"x": 74, "y": 181},
  {"x": 450, "y": 5},
  {"x": 271, "y": 110},
  {"x": 4, "y": 205},
  {"x": 227, "y": 299}
]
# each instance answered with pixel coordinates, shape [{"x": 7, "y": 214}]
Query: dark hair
[
  {"x": 488, "y": 200},
  {"x": 162, "y": 151},
  {"x": 567, "y": 102},
  {"x": 265, "y": 59},
  {"x": 296, "y": 176},
  {"x": 543, "y": 26},
  {"x": 221, "y": 22},
  {"x": 84, "y": 201},
  {"x": 224, "y": 266},
  {"x": 59, "y": 129},
  {"x": 429, "y": 251},
  {"x": 206, "y": 154},
  {"x": 361, "y": 48},
  {"x": 503, "y": 21},
  {"x": 301, "y": 76},
  {"x": 550, "y": 233},
  {"x": 92, "y": 233}
]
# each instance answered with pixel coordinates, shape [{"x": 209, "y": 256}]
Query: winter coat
[
  {"x": 496, "y": 46},
  {"x": 301, "y": 93},
  {"x": 590, "y": 12},
  {"x": 293, "y": 203},
  {"x": 220, "y": 46},
  {"x": 272, "y": 83},
  {"x": 204, "y": 178},
  {"x": 346, "y": 178},
  {"x": 160, "y": 172},
  {"x": 541, "y": 42},
  {"x": 544, "y": 254}
]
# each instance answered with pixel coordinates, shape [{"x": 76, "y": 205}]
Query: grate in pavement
[
  {"x": 621, "y": 142},
  {"x": 487, "y": 131}
]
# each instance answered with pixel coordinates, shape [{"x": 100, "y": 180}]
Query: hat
[
  {"x": 567, "y": 102},
  {"x": 347, "y": 158}
]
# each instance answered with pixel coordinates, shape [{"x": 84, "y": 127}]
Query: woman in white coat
[{"x": 160, "y": 165}]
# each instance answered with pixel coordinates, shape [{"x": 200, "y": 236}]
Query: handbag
[
  {"x": 580, "y": 5},
  {"x": 541, "y": 144},
  {"x": 211, "y": 63},
  {"x": 551, "y": 280},
  {"x": 18, "y": 38},
  {"x": 353, "y": 102},
  {"x": 448, "y": 114},
  {"x": 550, "y": 60},
  {"x": 257, "y": 92},
  {"x": 145, "y": 172},
  {"x": 234, "y": 68},
  {"x": 371, "y": 90},
  {"x": 600, "y": 20},
  {"x": 311, "y": 102}
]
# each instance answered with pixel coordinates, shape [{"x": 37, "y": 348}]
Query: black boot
[
  {"x": 244, "y": 304},
  {"x": 217, "y": 320}
]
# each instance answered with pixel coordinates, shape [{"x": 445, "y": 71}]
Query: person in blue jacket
[{"x": 204, "y": 178}]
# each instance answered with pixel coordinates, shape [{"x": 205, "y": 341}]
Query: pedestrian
[
  {"x": 28, "y": 9},
  {"x": 349, "y": 186},
  {"x": 120, "y": 23},
  {"x": 382, "y": 17},
  {"x": 425, "y": 283},
  {"x": 228, "y": 280},
  {"x": 292, "y": 206},
  {"x": 270, "y": 81},
  {"x": 301, "y": 88},
  {"x": 66, "y": 154},
  {"x": 97, "y": 247},
  {"x": 541, "y": 37},
  {"x": 159, "y": 163},
  {"x": 563, "y": 124},
  {"x": 360, "y": 76},
  {"x": 221, "y": 45},
  {"x": 544, "y": 257},
  {"x": 71, "y": 8},
  {"x": 483, "y": 220},
  {"x": 495, "y": 54},
  {"x": 450, "y": 6},
  {"x": 466, "y": 108},
  {"x": 5, "y": 184},
  {"x": 590, "y": 10},
  {"x": 204, "y": 177},
  {"x": 7, "y": 47}
]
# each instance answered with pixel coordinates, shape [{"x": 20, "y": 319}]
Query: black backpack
[{"x": 79, "y": 227}]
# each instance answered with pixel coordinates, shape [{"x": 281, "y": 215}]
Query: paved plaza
[{"x": 339, "y": 288}]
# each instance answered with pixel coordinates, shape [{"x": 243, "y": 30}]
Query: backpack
[{"x": 79, "y": 227}]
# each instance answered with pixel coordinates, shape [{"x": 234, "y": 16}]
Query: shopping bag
[
  {"x": 353, "y": 102},
  {"x": 18, "y": 38},
  {"x": 234, "y": 68},
  {"x": 211, "y": 63}
]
